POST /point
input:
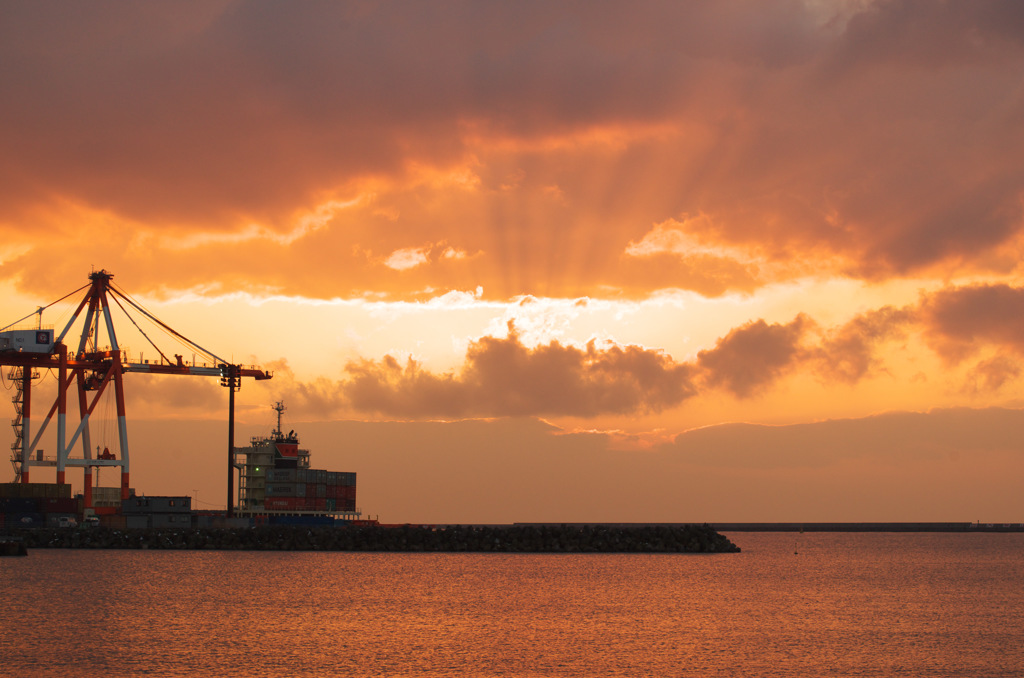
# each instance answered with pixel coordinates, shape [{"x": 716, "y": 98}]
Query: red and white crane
[{"x": 87, "y": 371}]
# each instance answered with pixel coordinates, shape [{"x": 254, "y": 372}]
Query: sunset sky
[{"x": 548, "y": 261}]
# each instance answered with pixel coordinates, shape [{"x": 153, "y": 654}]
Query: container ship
[{"x": 275, "y": 479}]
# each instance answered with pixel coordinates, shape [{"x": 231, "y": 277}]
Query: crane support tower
[{"x": 87, "y": 371}]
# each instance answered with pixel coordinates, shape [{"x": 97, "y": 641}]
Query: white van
[{"x": 67, "y": 521}]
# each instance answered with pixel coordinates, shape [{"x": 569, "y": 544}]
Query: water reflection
[{"x": 919, "y": 604}]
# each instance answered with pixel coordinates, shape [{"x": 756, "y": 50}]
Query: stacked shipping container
[
  {"x": 308, "y": 489},
  {"x": 36, "y": 504}
]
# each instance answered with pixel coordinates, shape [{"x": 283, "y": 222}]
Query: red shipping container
[
  {"x": 60, "y": 505},
  {"x": 321, "y": 505},
  {"x": 282, "y": 503}
]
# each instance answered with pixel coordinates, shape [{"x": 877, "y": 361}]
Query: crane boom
[{"x": 92, "y": 370}]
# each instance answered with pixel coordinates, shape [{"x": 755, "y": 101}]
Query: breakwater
[
  {"x": 408, "y": 538},
  {"x": 869, "y": 527}
]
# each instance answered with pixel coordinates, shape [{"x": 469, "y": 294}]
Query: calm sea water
[{"x": 844, "y": 604}]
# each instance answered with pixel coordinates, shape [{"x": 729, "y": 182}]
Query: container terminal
[
  {"x": 276, "y": 483},
  {"x": 277, "y": 486}
]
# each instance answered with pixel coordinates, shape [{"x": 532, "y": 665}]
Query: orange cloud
[
  {"x": 960, "y": 321},
  {"x": 992, "y": 374},
  {"x": 751, "y": 357},
  {"x": 502, "y": 377},
  {"x": 869, "y": 139},
  {"x": 505, "y": 377},
  {"x": 847, "y": 353}
]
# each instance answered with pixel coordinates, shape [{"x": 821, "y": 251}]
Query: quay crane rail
[{"x": 92, "y": 369}]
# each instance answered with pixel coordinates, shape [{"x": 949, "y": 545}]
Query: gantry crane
[{"x": 92, "y": 369}]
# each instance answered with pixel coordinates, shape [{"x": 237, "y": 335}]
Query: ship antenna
[{"x": 279, "y": 408}]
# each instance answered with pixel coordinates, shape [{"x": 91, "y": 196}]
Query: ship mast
[{"x": 279, "y": 408}]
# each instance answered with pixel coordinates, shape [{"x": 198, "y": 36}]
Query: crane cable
[
  {"x": 164, "y": 325},
  {"x": 43, "y": 308},
  {"x": 141, "y": 331}
]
